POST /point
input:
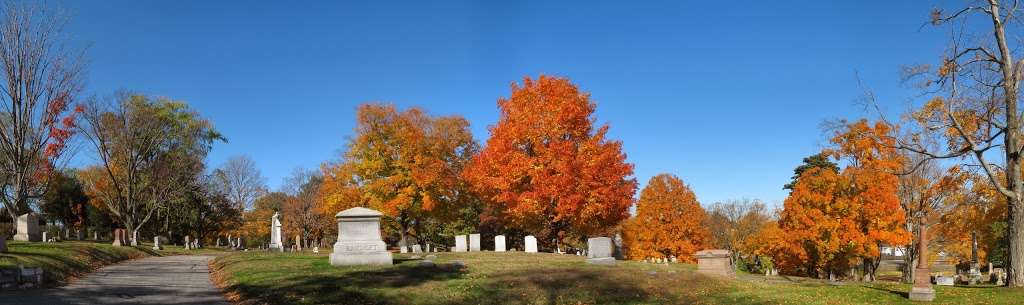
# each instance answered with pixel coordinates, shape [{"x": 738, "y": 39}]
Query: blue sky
[{"x": 727, "y": 95}]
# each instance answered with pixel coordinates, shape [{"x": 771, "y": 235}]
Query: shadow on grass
[
  {"x": 900, "y": 293},
  {"x": 349, "y": 288}
]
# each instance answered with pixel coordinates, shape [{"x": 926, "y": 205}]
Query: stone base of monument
[
  {"x": 923, "y": 294},
  {"x": 601, "y": 261},
  {"x": 360, "y": 253}
]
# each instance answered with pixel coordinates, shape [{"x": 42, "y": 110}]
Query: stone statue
[{"x": 275, "y": 232}]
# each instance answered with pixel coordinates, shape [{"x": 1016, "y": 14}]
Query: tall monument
[
  {"x": 275, "y": 232},
  {"x": 359, "y": 241}
]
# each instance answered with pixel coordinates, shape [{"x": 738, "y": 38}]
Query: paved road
[{"x": 155, "y": 280}]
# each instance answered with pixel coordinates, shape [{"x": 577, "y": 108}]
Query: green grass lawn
[
  {"x": 62, "y": 261},
  {"x": 521, "y": 278}
]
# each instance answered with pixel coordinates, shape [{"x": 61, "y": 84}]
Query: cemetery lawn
[
  {"x": 63, "y": 261},
  {"x": 541, "y": 278}
]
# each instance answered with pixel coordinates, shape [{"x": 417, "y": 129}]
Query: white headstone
[
  {"x": 46, "y": 237},
  {"x": 135, "y": 237},
  {"x": 403, "y": 249},
  {"x": 28, "y": 228},
  {"x": 188, "y": 243},
  {"x": 531, "y": 244},
  {"x": 316, "y": 249},
  {"x": 474, "y": 242},
  {"x": 499, "y": 243},
  {"x": 156, "y": 243},
  {"x": 944, "y": 281},
  {"x": 298, "y": 242},
  {"x": 417, "y": 249},
  {"x": 275, "y": 232},
  {"x": 95, "y": 235},
  {"x": 460, "y": 243},
  {"x": 359, "y": 241},
  {"x": 239, "y": 244},
  {"x": 599, "y": 251}
]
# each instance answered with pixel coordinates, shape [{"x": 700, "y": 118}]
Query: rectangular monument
[
  {"x": 531, "y": 244},
  {"x": 474, "y": 242},
  {"x": 599, "y": 251},
  {"x": 28, "y": 228},
  {"x": 716, "y": 262},
  {"x": 359, "y": 241},
  {"x": 499, "y": 243},
  {"x": 275, "y": 233},
  {"x": 156, "y": 243},
  {"x": 416, "y": 248},
  {"x": 460, "y": 243}
]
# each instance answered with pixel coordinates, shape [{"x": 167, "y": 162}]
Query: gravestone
[
  {"x": 28, "y": 228},
  {"x": 460, "y": 243},
  {"x": 416, "y": 248},
  {"x": 944, "y": 281},
  {"x": 499, "y": 243},
  {"x": 428, "y": 247},
  {"x": 135, "y": 237},
  {"x": 118, "y": 238},
  {"x": 298, "y": 242},
  {"x": 715, "y": 262},
  {"x": 403, "y": 249},
  {"x": 531, "y": 244},
  {"x": 239, "y": 244},
  {"x": 156, "y": 243},
  {"x": 599, "y": 251},
  {"x": 316, "y": 249},
  {"x": 188, "y": 242},
  {"x": 275, "y": 232},
  {"x": 474, "y": 242},
  {"x": 95, "y": 235},
  {"x": 45, "y": 237},
  {"x": 359, "y": 241}
]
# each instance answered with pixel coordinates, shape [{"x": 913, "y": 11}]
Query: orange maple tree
[
  {"x": 669, "y": 222},
  {"x": 840, "y": 219},
  {"x": 547, "y": 170},
  {"x": 407, "y": 164}
]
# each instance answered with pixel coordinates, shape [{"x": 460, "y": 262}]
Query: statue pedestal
[{"x": 922, "y": 289}]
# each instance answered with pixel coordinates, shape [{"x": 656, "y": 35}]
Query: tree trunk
[{"x": 1015, "y": 261}]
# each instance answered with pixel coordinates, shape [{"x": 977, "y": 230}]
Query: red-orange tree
[
  {"x": 547, "y": 170},
  {"x": 841, "y": 219},
  {"x": 668, "y": 222}
]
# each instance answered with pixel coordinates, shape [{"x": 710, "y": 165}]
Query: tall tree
[
  {"x": 669, "y": 222},
  {"x": 733, "y": 222},
  {"x": 41, "y": 80},
  {"x": 980, "y": 82},
  {"x": 407, "y": 164},
  {"x": 151, "y": 151},
  {"x": 841, "y": 219},
  {"x": 546, "y": 169},
  {"x": 241, "y": 181},
  {"x": 65, "y": 200},
  {"x": 302, "y": 208}
]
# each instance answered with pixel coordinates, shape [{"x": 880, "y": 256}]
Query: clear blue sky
[{"x": 728, "y": 95}]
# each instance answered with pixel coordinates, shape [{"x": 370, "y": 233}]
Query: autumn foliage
[
  {"x": 407, "y": 164},
  {"x": 547, "y": 170},
  {"x": 668, "y": 222},
  {"x": 834, "y": 220}
]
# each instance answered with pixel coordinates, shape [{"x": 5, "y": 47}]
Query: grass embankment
[
  {"x": 521, "y": 278},
  {"x": 63, "y": 261}
]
